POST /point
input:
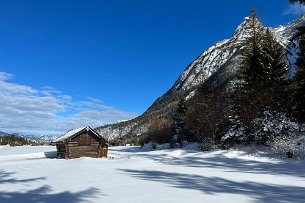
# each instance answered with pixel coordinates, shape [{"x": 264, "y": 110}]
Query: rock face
[{"x": 217, "y": 65}]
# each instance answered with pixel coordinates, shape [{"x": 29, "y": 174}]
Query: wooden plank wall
[
  {"x": 103, "y": 150},
  {"x": 75, "y": 150},
  {"x": 84, "y": 139},
  {"x": 83, "y": 151},
  {"x": 83, "y": 145}
]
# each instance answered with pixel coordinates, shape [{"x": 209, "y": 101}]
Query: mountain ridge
[{"x": 217, "y": 64}]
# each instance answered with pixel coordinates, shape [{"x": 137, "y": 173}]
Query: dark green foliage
[
  {"x": 179, "y": 122},
  {"x": 252, "y": 67},
  {"x": 264, "y": 64},
  {"x": 264, "y": 61},
  {"x": 299, "y": 90},
  {"x": 297, "y": 1},
  {"x": 15, "y": 141},
  {"x": 134, "y": 140},
  {"x": 252, "y": 108},
  {"x": 263, "y": 76},
  {"x": 274, "y": 61}
]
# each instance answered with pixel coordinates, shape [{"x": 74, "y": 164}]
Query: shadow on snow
[
  {"x": 219, "y": 161},
  {"x": 41, "y": 194},
  {"x": 261, "y": 193},
  {"x": 126, "y": 149}
]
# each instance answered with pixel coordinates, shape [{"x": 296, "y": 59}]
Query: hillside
[
  {"x": 13, "y": 140},
  {"x": 216, "y": 65},
  {"x": 17, "y": 139}
]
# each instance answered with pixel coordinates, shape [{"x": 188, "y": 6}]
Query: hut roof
[{"x": 74, "y": 132}]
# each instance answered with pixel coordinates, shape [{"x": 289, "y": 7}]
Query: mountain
[
  {"x": 14, "y": 139},
  {"x": 216, "y": 65},
  {"x": 37, "y": 138},
  {"x": 3, "y": 133}
]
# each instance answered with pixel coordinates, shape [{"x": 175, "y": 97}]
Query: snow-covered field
[{"x": 31, "y": 175}]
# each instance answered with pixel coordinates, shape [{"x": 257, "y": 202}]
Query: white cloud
[
  {"x": 5, "y": 76},
  {"x": 295, "y": 9},
  {"x": 95, "y": 100},
  {"x": 26, "y": 109}
]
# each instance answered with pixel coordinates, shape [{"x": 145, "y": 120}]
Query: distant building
[{"x": 81, "y": 142}]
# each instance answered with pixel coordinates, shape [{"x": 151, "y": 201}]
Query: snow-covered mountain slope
[
  {"x": 285, "y": 35},
  {"x": 34, "y": 137},
  {"x": 217, "y": 64},
  {"x": 131, "y": 128},
  {"x": 213, "y": 58},
  {"x": 45, "y": 138}
]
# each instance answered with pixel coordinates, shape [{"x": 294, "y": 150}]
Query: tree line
[{"x": 13, "y": 140}]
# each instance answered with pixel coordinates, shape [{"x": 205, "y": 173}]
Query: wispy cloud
[
  {"x": 295, "y": 9},
  {"x": 26, "y": 109}
]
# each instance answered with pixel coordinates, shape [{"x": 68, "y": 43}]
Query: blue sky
[{"x": 64, "y": 63}]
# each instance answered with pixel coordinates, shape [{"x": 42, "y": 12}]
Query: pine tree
[
  {"x": 179, "y": 122},
  {"x": 299, "y": 90},
  {"x": 263, "y": 76},
  {"x": 274, "y": 61},
  {"x": 275, "y": 73},
  {"x": 264, "y": 61},
  {"x": 252, "y": 67}
]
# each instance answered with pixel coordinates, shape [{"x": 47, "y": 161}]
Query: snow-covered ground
[{"x": 31, "y": 175}]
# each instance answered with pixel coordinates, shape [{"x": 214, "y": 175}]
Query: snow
[
  {"x": 204, "y": 66},
  {"x": 213, "y": 58},
  {"x": 190, "y": 95},
  {"x": 135, "y": 175},
  {"x": 293, "y": 49},
  {"x": 68, "y": 134},
  {"x": 222, "y": 58},
  {"x": 73, "y": 132},
  {"x": 111, "y": 132}
]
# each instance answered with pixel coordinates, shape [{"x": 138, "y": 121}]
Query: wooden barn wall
[
  {"x": 86, "y": 138},
  {"x": 86, "y": 144},
  {"x": 103, "y": 150},
  {"x": 76, "y": 151}
]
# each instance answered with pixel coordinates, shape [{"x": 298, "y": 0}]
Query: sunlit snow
[{"x": 132, "y": 174}]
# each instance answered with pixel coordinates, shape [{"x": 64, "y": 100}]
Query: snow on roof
[{"x": 73, "y": 132}]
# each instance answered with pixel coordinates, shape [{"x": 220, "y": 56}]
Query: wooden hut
[{"x": 81, "y": 142}]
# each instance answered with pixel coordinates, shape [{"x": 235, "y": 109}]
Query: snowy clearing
[{"x": 135, "y": 175}]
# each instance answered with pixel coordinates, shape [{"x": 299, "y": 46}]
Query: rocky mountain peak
[
  {"x": 245, "y": 28},
  {"x": 285, "y": 33},
  {"x": 215, "y": 56},
  {"x": 217, "y": 64}
]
